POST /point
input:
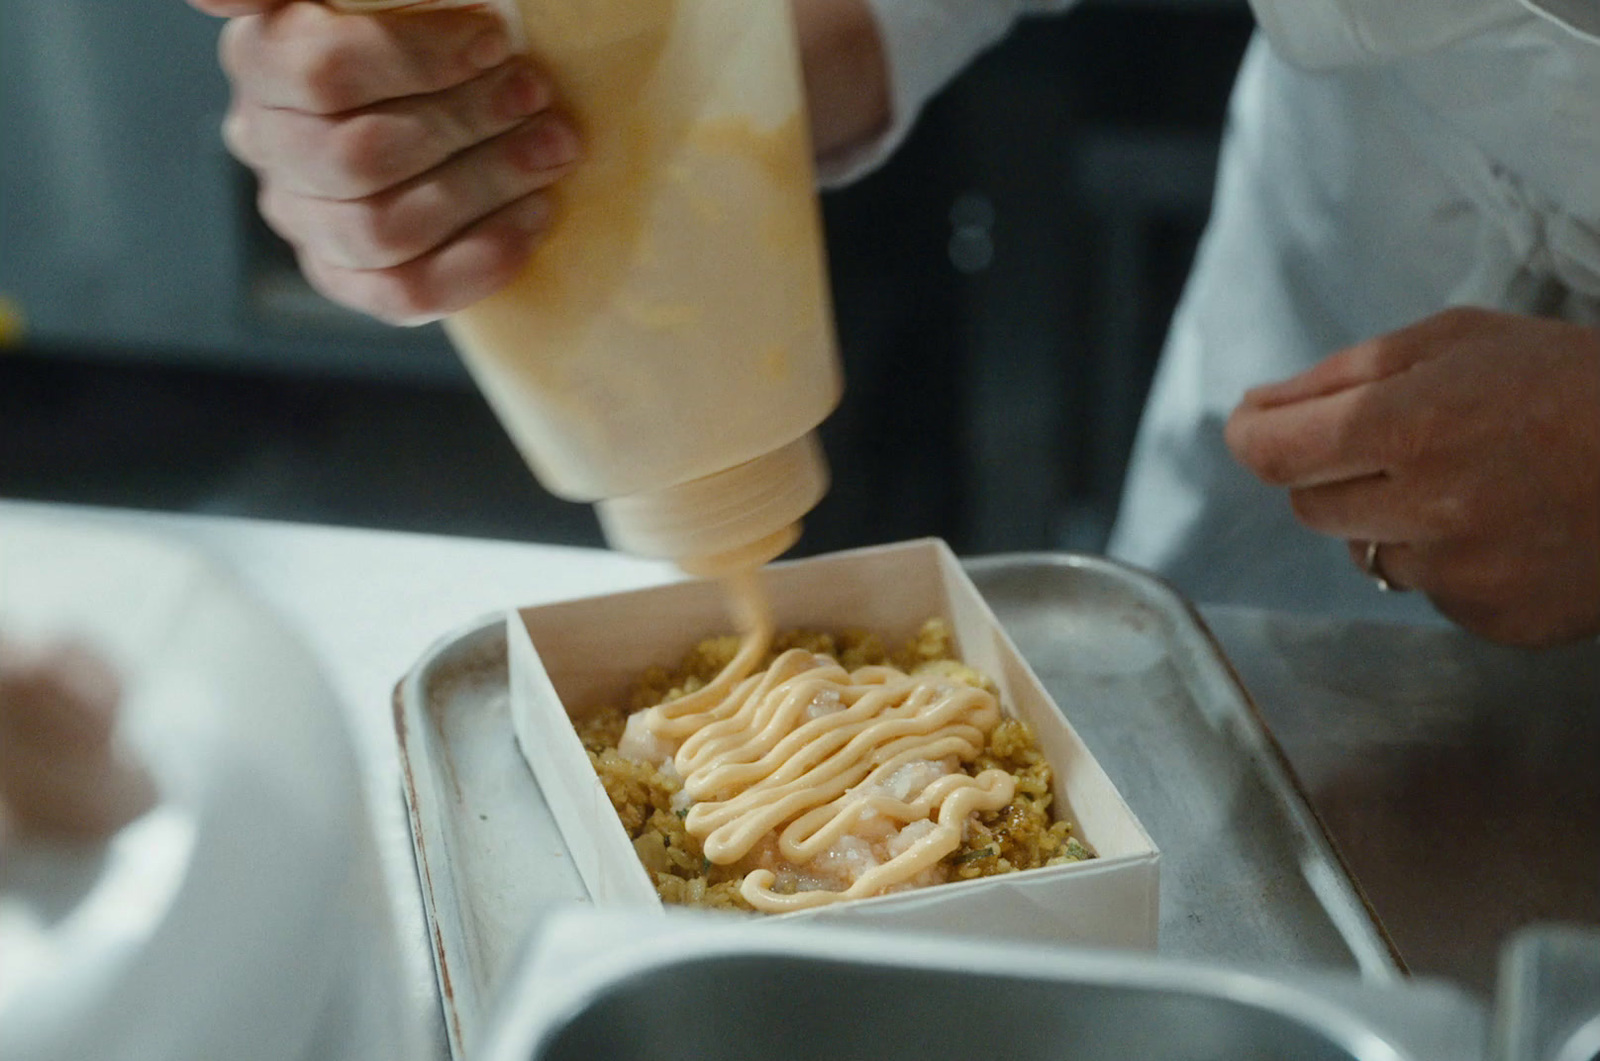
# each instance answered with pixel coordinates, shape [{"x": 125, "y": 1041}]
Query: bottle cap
[{"x": 738, "y": 518}]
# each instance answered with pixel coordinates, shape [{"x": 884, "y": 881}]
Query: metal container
[{"x": 694, "y": 988}]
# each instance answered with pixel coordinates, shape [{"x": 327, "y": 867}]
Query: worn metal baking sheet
[
  {"x": 1247, "y": 874},
  {"x": 1456, "y": 777}
]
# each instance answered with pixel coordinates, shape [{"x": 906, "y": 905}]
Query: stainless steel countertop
[{"x": 1460, "y": 781}]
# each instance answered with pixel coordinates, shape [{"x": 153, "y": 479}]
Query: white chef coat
[{"x": 1381, "y": 162}]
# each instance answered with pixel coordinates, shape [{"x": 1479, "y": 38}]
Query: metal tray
[{"x": 1247, "y": 872}]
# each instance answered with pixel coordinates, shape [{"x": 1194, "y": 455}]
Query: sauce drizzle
[{"x": 810, "y": 750}]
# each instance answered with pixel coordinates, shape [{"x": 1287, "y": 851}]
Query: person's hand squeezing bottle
[{"x": 403, "y": 156}]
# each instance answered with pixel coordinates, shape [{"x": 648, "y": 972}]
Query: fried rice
[{"x": 1021, "y": 835}]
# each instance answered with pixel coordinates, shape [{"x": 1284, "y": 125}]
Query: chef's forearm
[{"x": 846, "y": 75}]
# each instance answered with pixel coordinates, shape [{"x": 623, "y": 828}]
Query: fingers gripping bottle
[{"x": 668, "y": 351}]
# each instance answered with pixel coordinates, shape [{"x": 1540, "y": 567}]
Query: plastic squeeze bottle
[{"x": 668, "y": 351}]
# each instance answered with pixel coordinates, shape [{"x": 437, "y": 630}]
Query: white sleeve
[{"x": 926, "y": 43}]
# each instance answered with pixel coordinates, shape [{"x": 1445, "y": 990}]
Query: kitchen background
[{"x": 1001, "y": 286}]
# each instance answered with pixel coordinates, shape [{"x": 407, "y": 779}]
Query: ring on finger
[{"x": 1373, "y": 565}]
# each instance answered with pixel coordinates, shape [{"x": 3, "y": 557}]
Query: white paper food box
[{"x": 571, "y": 657}]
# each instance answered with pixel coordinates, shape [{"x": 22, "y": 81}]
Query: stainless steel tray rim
[
  {"x": 419, "y": 790},
  {"x": 468, "y": 633}
]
